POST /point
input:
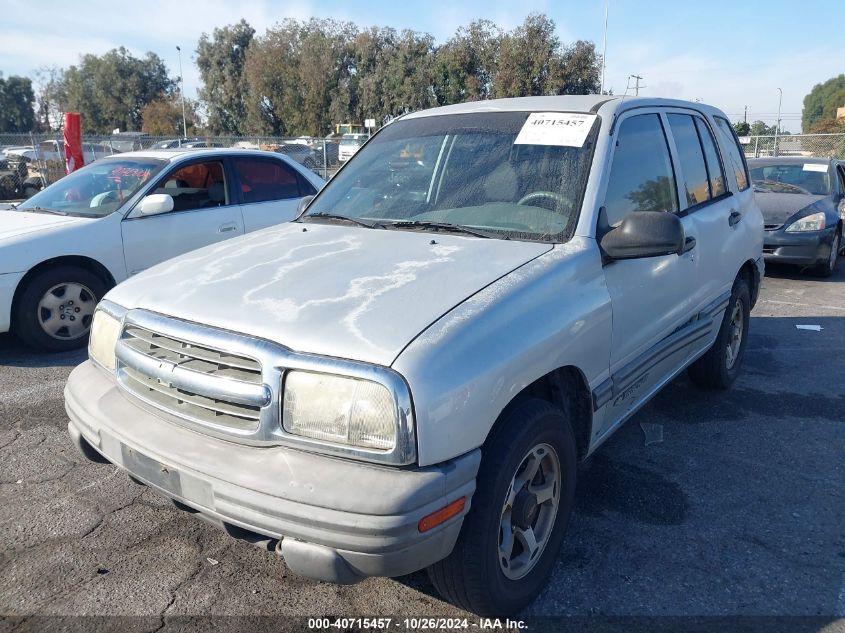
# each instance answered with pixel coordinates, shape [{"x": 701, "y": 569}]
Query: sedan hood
[
  {"x": 17, "y": 223},
  {"x": 342, "y": 291},
  {"x": 777, "y": 208}
]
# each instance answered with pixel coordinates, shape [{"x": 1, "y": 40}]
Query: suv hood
[
  {"x": 341, "y": 291},
  {"x": 17, "y": 223}
]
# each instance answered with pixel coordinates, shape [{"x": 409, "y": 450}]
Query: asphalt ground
[{"x": 738, "y": 511}]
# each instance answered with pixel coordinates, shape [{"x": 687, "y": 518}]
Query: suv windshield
[
  {"x": 462, "y": 170},
  {"x": 798, "y": 177},
  {"x": 96, "y": 190}
]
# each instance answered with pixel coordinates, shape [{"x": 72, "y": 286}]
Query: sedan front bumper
[
  {"x": 8, "y": 283},
  {"x": 337, "y": 520},
  {"x": 801, "y": 249}
]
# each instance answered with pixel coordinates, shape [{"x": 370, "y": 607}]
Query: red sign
[{"x": 74, "y": 158}]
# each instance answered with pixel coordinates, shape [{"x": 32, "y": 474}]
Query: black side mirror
[
  {"x": 645, "y": 234},
  {"x": 303, "y": 204}
]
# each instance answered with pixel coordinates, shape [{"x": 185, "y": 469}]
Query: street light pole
[
  {"x": 604, "y": 48},
  {"x": 182, "y": 79},
  {"x": 777, "y": 123}
]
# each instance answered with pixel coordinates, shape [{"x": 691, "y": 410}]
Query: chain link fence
[
  {"x": 818, "y": 145},
  {"x": 30, "y": 162}
]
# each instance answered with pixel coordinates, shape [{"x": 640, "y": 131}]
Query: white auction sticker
[
  {"x": 555, "y": 128},
  {"x": 821, "y": 167}
]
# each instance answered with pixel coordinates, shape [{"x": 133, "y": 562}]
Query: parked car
[
  {"x": 406, "y": 376},
  {"x": 302, "y": 154},
  {"x": 349, "y": 144},
  {"x": 62, "y": 249},
  {"x": 172, "y": 143},
  {"x": 803, "y": 204}
]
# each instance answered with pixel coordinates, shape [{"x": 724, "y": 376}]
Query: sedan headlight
[
  {"x": 339, "y": 410},
  {"x": 105, "y": 330},
  {"x": 813, "y": 222}
]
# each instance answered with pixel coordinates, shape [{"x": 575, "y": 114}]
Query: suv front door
[
  {"x": 203, "y": 213},
  {"x": 653, "y": 298}
]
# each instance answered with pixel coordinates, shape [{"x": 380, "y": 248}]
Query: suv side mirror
[
  {"x": 303, "y": 204},
  {"x": 155, "y": 204},
  {"x": 645, "y": 234}
]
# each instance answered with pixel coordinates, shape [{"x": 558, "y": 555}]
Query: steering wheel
[
  {"x": 103, "y": 198},
  {"x": 536, "y": 195}
]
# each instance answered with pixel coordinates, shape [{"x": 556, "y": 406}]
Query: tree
[
  {"x": 465, "y": 65},
  {"x": 221, "y": 59},
  {"x": 112, "y": 90},
  {"x": 163, "y": 117},
  {"x": 17, "y": 103},
  {"x": 759, "y": 128},
  {"x": 822, "y": 102},
  {"x": 742, "y": 128},
  {"x": 49, "y": 97}
]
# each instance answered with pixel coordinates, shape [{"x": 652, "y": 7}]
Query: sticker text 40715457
[{"x": 569, "y": 129}]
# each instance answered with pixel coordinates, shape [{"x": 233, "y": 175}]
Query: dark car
[{"x": 803, "y": 204}]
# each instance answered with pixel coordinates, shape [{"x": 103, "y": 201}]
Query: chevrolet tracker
[{"x": 407, "y": 375}]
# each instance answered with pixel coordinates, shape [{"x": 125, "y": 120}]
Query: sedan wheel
[{"x": 66, "y": 310}]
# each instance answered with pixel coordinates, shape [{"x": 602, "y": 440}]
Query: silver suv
[{"x": 407, "y": 375}]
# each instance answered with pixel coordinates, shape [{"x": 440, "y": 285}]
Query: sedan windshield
[
  {"x": 461, "y": 171},
  {"x": 797, "y": 177},
  {"x": 97, "y": 190}
]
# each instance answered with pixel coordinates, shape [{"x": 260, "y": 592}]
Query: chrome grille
[{"x": 192, "y": 381}]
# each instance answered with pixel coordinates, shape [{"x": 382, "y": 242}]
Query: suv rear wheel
[
  {"x": 720, "y": 366},
  {"x": 55, "y": 308},
  {"x": 513, "y": 531}
]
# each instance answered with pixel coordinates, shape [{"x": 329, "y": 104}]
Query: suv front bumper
[{"x": 337, "y": 520}]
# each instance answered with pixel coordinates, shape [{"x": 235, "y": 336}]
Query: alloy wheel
[
  {"x": 529, "y": 511},
  {"x": 66, "y": 310},
  {"x": 735, "y": 331}
]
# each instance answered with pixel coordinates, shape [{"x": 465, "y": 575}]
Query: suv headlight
[
  {"x": 105, "y": 330},
  {"x": 339, "y": 410},
  {"x": 813, "y": 222}
]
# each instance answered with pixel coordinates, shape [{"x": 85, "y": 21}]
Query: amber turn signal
[{"x": 442, "y": 515}]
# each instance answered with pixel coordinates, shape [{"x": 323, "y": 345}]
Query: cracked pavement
[{"x": 740, "y": 510}]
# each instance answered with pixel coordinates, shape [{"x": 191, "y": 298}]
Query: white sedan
[{"x": 62, "y": 249}]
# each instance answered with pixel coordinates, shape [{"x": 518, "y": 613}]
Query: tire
[
  {"x": 718, "y": 369},
  {"x": 29, "y": 191},
  {"x": 472, "y": 576},
  {"x": 47, "y": 298},
  {"x": 827, "y": 268}
]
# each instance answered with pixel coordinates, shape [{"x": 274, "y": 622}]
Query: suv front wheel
[{"x": 520, "y": 509}]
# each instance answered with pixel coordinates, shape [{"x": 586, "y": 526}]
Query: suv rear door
[{"x": 653, "y": 299}]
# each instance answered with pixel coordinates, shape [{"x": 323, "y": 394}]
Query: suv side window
[
  {"x": 641, "y": 174},
  {"x": 196, "y": 186},
  {"x": 691, "y": 157},
  {"x": 711, "y": 154},
  {"x": 731, "y": 146},
  {"x": 263, "y": 180}
]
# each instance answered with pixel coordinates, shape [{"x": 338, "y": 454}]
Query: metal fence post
[{"x": 325, "y": 162}]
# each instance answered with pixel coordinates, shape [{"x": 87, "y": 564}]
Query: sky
[{"x": 726, "y": 53}]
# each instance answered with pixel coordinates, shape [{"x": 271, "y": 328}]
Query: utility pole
[
  {"x": 182, "y": 79},
  {"x": 636, "y": 84},
  {"x": 745, "y": 115},
  {"x": 777, "y": 123},
  {"x": 604, "y": 48}
]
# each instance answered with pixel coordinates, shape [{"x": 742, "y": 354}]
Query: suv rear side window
[
  {"x": 691, "y": 157},
  {"x": 731, "y": 146},
  {"x": 263, "y": 180},
  {"x": 714, "y": 167},
  {"x": 641, "y": 175}
]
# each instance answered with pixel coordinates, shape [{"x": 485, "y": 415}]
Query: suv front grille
[{"x": 192, "y": 381}]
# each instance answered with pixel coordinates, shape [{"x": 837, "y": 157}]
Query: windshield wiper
[
  {"x": 342, "y": 218},
  {"x": 445, "y": 227},
  {"x": 44, "y": 210}
]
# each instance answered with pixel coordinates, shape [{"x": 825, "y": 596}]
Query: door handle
[
  {"x": 689, "y": 244},
  {"x": 734, "y": 218},
  {"x": 225, "y": 228}
]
